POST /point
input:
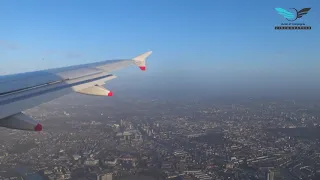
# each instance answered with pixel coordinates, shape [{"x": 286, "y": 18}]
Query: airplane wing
[{"x": 23, "y": 91}]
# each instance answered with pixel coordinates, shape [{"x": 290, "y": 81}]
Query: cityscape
[{"x": 128, "y": 138}]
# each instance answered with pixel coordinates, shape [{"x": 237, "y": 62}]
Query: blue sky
[{"x": 230, "y": 39}]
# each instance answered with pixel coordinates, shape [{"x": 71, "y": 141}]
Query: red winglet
[
  {"x": 38, "y": 127},
  {"x": 143, "y": 68},
  {"x": 110, "y": 93}
]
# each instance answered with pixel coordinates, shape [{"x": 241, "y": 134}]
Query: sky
[{"x": 204, "y": 41}]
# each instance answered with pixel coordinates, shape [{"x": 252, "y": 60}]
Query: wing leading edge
[{"x": 24, "y": 91}]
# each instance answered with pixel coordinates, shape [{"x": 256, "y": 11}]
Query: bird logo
[{"x": 292, "y": 16}]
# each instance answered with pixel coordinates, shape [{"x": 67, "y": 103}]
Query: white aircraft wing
[{"x": 19, "y": 92}]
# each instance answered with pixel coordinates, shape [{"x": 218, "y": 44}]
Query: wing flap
[
  {"x": 39, "y": 79},
  {"x": 26, "y": 80},
  {"x": 20, "y": 121},
  {"x": 19, "y": 102},
  {"x": 95, "y": 91}
]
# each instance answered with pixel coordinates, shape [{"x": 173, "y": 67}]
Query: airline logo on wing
[{"x": 292, "y": 16}]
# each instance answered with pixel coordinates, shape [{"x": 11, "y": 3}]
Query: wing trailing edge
[{"x": 96, "y": 91}]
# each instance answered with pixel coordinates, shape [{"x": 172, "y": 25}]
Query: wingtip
[
  {"x": 143, "y": 57},
  {"x": 142, "y": 68},
  {"x": 38, "y": 127}
]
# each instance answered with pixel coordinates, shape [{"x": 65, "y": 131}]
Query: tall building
[
  {"x": 101, "y": 177},
  {"x": 270, "y": 175},
  {"x": 121, "y": 123},
  {"x": 109, "y": 176},
  {"x": 105, "y": 177}
]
